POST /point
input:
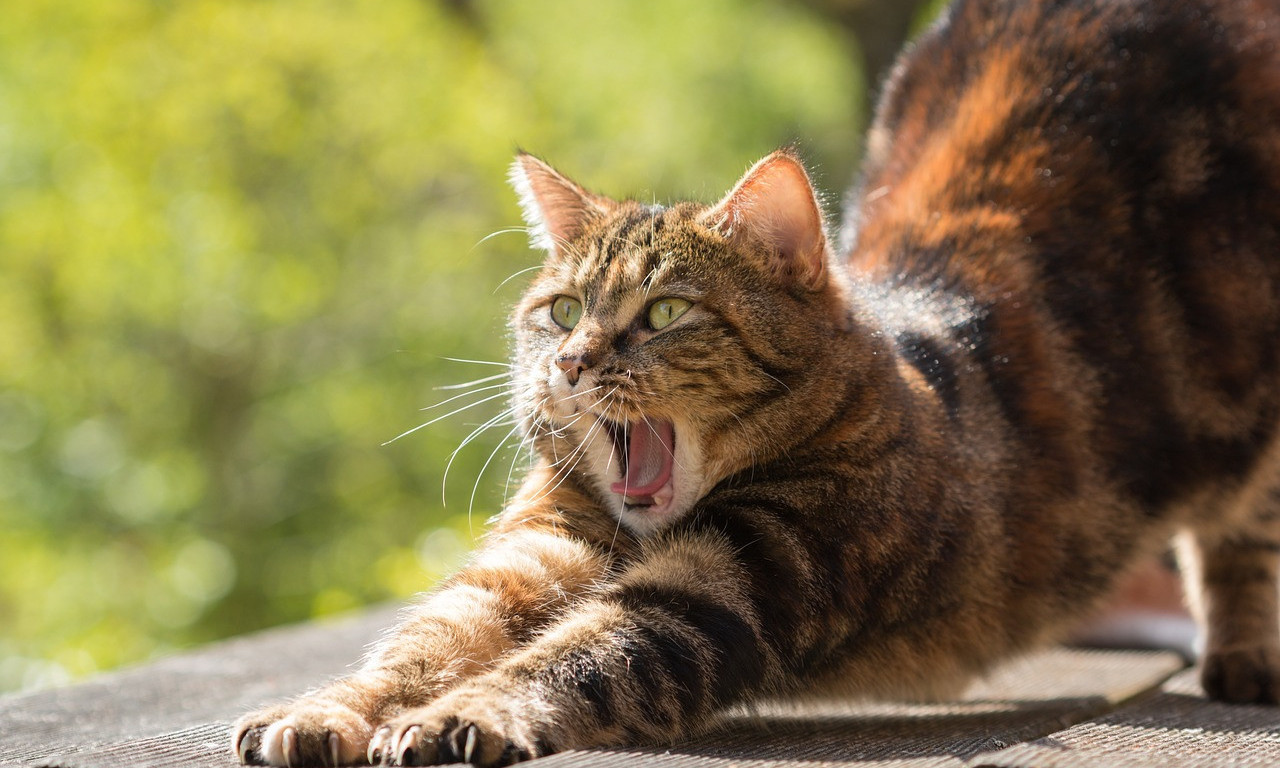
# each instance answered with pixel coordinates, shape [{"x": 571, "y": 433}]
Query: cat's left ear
[
  {"x": 774, "y": 209},
  {"x": 556, "y": 209}
]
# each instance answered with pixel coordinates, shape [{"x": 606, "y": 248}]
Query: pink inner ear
[
  {"x": 555, "y": 208},
  {"x": 774, "y": 208}
]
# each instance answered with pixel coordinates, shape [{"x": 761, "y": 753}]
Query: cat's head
[{"x": 661, "y": 349}]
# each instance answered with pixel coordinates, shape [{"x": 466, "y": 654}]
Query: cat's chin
[{"x": 650, "y": 514}]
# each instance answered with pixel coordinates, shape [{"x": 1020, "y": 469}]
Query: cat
[{"x": 1045, "y": 343}]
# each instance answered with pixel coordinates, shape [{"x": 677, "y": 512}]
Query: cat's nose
[{"x": 573, "y": 366}]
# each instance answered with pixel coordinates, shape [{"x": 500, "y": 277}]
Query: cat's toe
[
  {"x": 463, "y": 729},
  {"x": 454, "y": 740},
  {"x": 482, "y": 744},
  {"x": 246, "y": 742},
  {"x": 380, "y": 746},
  {"x": 1243, "y": 675},
  {"x": 308, "y": 734}
]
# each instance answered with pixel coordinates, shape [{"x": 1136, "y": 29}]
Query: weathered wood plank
[
  {"x": 178, "y": 711},
  {"x": 1177, "y": 727},
  {"x": 178, "y": 703}
]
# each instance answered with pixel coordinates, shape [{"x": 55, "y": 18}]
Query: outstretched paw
[
  {"x": 464, "y": 727},
  {"x": 1243, "y": 675},
  {"x": 303, "y": 733}
]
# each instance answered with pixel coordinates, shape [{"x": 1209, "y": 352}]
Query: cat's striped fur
[{"x": 1047, "y": 342}]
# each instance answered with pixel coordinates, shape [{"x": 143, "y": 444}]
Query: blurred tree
[
  {"x": 238, "y": 241},
  {"x": 879, "y": 27}
]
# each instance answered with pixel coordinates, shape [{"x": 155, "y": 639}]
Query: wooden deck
[{"x": 1063, "y": 707}]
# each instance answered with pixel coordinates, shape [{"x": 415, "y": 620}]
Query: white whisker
[
  {"x": 514, "y": 275},
  {"x": 576, "y": 455},
  {"x": 444, "y": 481},
  {"x": 506, "y": 231},
  {"x": 567, "y": 398},
  {"x": 484, "y": 380},
  {"x": 478, "y": 362},
  {"x": 476, "y": 485},
  {"x": 775, "y": 378},
  {"x": 445, "y": 416},
  {"x": 526, "y": 442},
  {"x": 469, "y": 393}
]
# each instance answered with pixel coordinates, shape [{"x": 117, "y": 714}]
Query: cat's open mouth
[{"x": 645, "y": 454}]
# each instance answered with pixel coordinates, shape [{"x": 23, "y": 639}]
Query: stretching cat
[{"x": 1049, "y": 340}]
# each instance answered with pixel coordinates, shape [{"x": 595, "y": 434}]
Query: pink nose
[{"x": 573, "y": 366}]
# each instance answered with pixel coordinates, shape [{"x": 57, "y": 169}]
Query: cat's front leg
[
  {"x": 1238, "y": 605},
  {"x": 538, "y": 560},
  {"x": 677, "y": 637}
]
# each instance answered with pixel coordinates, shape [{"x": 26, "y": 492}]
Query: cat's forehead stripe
[{"x": 622, "y": 255}]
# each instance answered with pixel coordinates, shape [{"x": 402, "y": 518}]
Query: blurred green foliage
[{"x": 238, "y": 240}]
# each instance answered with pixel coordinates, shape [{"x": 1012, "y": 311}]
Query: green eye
[
  {"x": 664, "y": 312},
  {"x": 566, "y": 312}
]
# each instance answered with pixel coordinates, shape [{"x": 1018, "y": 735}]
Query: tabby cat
[{"x": 1048, "y": 341}]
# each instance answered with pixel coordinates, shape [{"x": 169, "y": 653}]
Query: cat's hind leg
[{"x": 1233, "y": 571}]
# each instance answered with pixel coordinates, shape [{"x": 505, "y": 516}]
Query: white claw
[
  {"x": 374, "y": 753},
  {"x": 333, "y": 750},
  {"x": 470, "y": 748},
  {"x": 288, "y": 743},
  {"x": 244, "y": 748},
  {"x": 407, "y": 743}
]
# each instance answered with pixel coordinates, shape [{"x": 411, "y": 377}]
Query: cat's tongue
[{"x": 650, "y": 453}]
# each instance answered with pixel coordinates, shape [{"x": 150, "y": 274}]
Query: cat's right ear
[
  {"x": 556, "y": 209},
  {"x": 774, "y": 210}
]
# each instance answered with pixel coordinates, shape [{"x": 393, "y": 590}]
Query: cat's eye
[
  {"x": 566, "y": 312},
  {"x": 664, "y": 312}
]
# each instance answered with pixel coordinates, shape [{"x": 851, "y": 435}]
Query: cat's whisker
[
  {"x": 617, "y": 527},
  {"x": 576, "y": 455},
  {"x": 578, "y": 449},
  {"x": 504, "y": 231},
  {"x": 568, "y": 247},
  {"x": 480, "y": 476},
  {"x": 473, "y": 382},
  {"x": 478, "y": 362},
  {"x": 576, "y": 395},
  {"x": 493, "y": 422},
  {"x": 514, "y": 275},
  {"x": 578, "y": 416},
  {"x": 780, "y": 381},
  {"x": 579, "y": 455},
  {"x": 468, "y": 393},
  {"x": 674, "y": 459},
  {"x": 751, "y": 447},
  {"x": 608, "y": 413},
  {"x": 527, "y": 442},
  {"x": 446, "y": 415}
]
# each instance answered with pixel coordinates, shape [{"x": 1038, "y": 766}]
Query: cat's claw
[
  {"x": 335, "y": 758},
  {"x": 377, "y": 746},
  {"x": 289, "y": 746},
  {"x": 470, "y": 747},
  {"x": 405, "y": 752},
  {"x": 248, "y": 745}
]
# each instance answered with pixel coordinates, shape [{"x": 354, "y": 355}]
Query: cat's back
[
  {"x": 1101, "y": 180},
  {"x": 1102, "y": 110}
]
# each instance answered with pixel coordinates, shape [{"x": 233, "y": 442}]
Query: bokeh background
[{"x": 241, "y": 240}]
